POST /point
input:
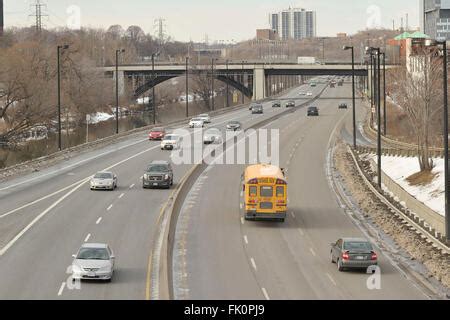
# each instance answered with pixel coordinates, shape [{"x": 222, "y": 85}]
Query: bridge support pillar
[
  {"x": 121, "y": 82},
  {"x": 259, "y": 83}
]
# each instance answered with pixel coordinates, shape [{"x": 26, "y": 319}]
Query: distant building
[
  {"x": 294, "y": 23},
  {"x": 341, "y": 35},
  {"x": 435, "y": 18},
  {"x": 397, "y": 49},
  {"x": 266, "y": 34}
]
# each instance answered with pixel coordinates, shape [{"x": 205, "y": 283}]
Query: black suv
[
  {"x": 276, "y": 104},
  {"x": 343, "y": 105},
  {"x": 313, "y": 111},
  {"x": 159, "y": 174}
]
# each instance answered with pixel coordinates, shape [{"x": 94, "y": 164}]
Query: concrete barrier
[{"x": 432, "y": 218}]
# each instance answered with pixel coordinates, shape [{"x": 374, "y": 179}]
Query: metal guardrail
[{"x": 414, "y": 220}]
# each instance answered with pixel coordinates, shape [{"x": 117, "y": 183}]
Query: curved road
[{"x": 218, "y": 255}]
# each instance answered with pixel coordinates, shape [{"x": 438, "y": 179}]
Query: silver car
[
  {"x": 94, "y": 261},
  {"x": 353, "y": 253},
  {"x": 212, "y": 136},
  {"x": 104, "y": 181}
]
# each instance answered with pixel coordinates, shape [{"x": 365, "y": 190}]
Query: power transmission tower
[
  {"x": 160, "y": 27},
  {"x": 37, "y": 14}
]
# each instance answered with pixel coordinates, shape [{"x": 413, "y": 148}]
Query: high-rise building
[
  {"x": 294, "y": 23},
  {"x": 435, "y": 18}
]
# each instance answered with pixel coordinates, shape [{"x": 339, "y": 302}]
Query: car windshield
[
  {"x": 171, "y": 137},
  {"x": 203, "y": 116},
  {"x": 103, "y": 175},
  {"x": 357, "y": 245},
  {"x": 158, "y": 130},
  {"x": 157, "y": 168},
  {"x": 213, "y": 131},
  {"x": 196, "y": 119},
  {"x": 93, "y": 254},
  {"x": 234, "y": 123}
]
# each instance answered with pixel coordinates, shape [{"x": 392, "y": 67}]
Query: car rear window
[{"x": 357, "y": 245}]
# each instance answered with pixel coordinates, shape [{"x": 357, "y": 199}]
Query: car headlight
[
  {"x": 166, "y": 177},
  {"x": 145, "y": 176},
  {"x": 76, "y": 269},
  {"x": 92, "y": 182},
  {"x": 105, "y": 269}
]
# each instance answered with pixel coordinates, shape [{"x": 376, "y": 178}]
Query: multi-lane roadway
[{"x": 46, "y": 216}]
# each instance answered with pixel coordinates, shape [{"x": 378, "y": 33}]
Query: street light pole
[
  {"x": 384, "y": 95},
  {"x": 446, "y": 157},
  {"x": 187, "y": 87},
  {"x": 153, "y": 88},
  {"x": 228, "y": 89},
  {"x": 59, "y": 95},
  {"x": 212, "y": 83},
  {"x": 353, "y": 93},
  {"x": 117, "y": 88},
  {"x": 243, "y": 79}
]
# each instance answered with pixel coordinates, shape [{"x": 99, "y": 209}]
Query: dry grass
[{"x": 421, "y": 178}]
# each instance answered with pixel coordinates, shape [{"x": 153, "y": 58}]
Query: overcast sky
[{"x": 220, "y": 19}]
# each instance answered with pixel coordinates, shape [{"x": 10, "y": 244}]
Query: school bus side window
[{"x": 253, "y": 191}]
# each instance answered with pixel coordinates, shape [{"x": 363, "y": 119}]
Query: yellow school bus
[{"x": 265, "y": 193}]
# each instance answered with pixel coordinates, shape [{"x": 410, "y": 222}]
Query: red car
[{"x": 157, "y": 134}]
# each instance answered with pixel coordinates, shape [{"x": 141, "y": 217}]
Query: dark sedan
[
  {"x": 276, "y": 104},
  {"x": 290, "y": 104},
  {"x": 313, "y": 112},
  {"x": 343, "y": 105},
  {"x": 234, "y": 126},
  {"x": 353, "y": 253}
]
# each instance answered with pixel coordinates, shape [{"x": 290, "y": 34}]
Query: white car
[
  {"x": 212, "y": 136},
  {"x": 302, "y": 93},
  {"x": 103, "y": 181},
  {"x": 205, "y": 117},
  {"x": 196, "y": 123},
  {"x": 309, "y": 94},
  {"x": 94, "y": 261},
  {"x": 171, "y": 142}
]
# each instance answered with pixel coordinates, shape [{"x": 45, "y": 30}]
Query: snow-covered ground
[
  {"x": 100, "y": 117},
  {"x": 399, "y": 169}
]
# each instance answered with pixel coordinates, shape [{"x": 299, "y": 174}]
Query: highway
[
  {"x": 219, "y": 255},
  {"x": 46, "y": 216}
]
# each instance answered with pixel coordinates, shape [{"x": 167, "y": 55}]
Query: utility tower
[
  {"x": 160, "y": 30},
  {"x": 37, "y": 14}
]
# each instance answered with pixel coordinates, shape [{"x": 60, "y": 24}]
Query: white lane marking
[
  {"x": 301, "y": 232},
  {"x": 242, "y": 193},
  {"x": 35, "y": 220},
  {"x": 253, "y": 263},
  {"x": 313, "y": 252},
  {"x": 121, "y": 196},
  {"x": 109, "y": 208},
  {"x": 266, "y": 295},
  {"x": 331, "y": 279},
  {"x": 72, "y": 165},
  {"x": 41, "y": 199},
  {"x": 99, "y": 220},
  {"x": 242, "y": 206},
  {"x": 87, "y": 238},
  {"x": 61, "y": 289},
  {"x": 246, "y": 239},
  {"x": 242, "y": 221},
  {"x": 293, "y": 215},
  {"x": 132, "y": 186}
]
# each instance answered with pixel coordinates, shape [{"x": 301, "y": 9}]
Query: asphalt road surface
[
  {"x": 46, "y": 216},
  {"x": 219, "y": 255}
]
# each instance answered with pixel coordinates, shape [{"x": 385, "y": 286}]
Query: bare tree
[{"x": 419, "y": 91}]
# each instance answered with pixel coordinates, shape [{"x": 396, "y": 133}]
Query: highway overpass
[{"x": 252, "y": 79}]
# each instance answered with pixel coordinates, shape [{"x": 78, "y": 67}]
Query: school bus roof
[{"x": 263, "y": 171}]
